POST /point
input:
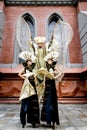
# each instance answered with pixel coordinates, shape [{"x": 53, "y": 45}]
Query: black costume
[
  {"x": 30, "y": 105},
  {"x": 49, "y": 111}
]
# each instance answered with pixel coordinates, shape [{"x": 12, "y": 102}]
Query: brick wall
[
  {"x": 1, "y": 9},
  {"x": 82, "y": 6},
  {"x": 41, "y": 15},
  {"x": 1, "y": 5},
  {"x": 72, "y": 86}
]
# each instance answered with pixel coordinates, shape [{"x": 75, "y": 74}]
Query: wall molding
[{"x": 41, "y": 2}]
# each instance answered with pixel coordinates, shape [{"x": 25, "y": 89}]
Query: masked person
[
  {"x": 28, "y": 95},
  {"x": 49, "y": 113}
]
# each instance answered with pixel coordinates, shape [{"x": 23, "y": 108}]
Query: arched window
[
  {"x": 51, "y": 23},
  {"x": 31, "y": 22},
  {"x": 29, "y": 19}
]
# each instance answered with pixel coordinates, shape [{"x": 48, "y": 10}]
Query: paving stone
[
  {"x": 78, "y": 122},
  {"x": 84, "y": 119},
  {"x": 70, "y": 128},
  {"x": 72, "y": 117},
  {"x": 82, "y": 128}
]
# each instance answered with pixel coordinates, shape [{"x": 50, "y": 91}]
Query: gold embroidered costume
[{"x": 43, "y": 76}]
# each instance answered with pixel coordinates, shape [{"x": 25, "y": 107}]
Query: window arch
[
  {"x": 51, "y": 23},
  {"x": 31, "y": 22}
]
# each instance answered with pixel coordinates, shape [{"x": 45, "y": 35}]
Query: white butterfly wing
[
  {"x": 23, "y": 34},
  {"x": 63, "y": 34}
]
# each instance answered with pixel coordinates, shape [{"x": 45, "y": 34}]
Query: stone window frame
[
  {"x": 55, "y": 16},
  {"x": 17, "y": 48},
  {"x": 52, "y": 18}
]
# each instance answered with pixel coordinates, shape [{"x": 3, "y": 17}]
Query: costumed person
[
  {"x": 40, "y": 53},
  {"x": 49, "y": 113},
  {"x": 28, "y": 95},
  {"x": 46, "y": 70}
]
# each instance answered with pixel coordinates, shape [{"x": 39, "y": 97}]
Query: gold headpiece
[
  {"x": 26, "y": 55},
  {"x": 39, "y": 39}
]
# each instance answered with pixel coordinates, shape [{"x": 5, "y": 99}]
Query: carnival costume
[
  {"x": 42, "y": 82},
  {"x": 28, "y": 95}
]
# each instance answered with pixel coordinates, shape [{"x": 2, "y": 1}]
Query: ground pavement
[{"x": 72, "y": 117}]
